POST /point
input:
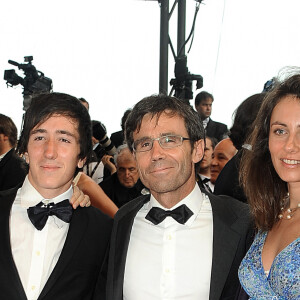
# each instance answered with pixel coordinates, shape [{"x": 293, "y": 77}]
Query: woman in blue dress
[{"x": 271, "y": 179}]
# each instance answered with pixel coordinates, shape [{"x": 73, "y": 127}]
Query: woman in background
[{"x": 270, "y": 175}]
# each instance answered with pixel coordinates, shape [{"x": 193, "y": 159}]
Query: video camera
[
  {"x": 33, "y": 83},
  {"x": 183, "y": 81}
]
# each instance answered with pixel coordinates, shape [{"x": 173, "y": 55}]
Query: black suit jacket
[
  {"x": 227, "y": 182},
  {"x": 216, "y": 129},
  {"x": 118, "y": 193},
  {"x": 79, "y": 273},
  {"x": 13, "y": 170},
  {"x": 232, "y": 236}
]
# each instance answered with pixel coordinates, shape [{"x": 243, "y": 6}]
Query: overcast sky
[{"x": 108, "y": 51}]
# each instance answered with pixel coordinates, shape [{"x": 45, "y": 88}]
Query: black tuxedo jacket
[
  {"x": 228, "y": 182},
  {"x": 13, "y": 170},
  {"x": 216, "y": 129},
  {"x": 232, "y": 236},
  {"x": 79, "y": 273},
  {"x": 117, "y": 192}
]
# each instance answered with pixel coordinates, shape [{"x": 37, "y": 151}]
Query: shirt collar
[
  {"x": 205, "y": 121},
  {"x": 193, "y": 201},
  {"x": 30, "y": 196},
  {"x": 203, "y": 177}
]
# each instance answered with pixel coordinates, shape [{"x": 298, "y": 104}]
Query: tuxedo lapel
[
  {"x": 8, "y": 272},
  {"x": 119, "y": 245},
  {"x": 225, "y": 243},
  {"x": 210, "y": 128},
  {"x": 6, "y": 158},
  {"x": 78, "y": 225}
]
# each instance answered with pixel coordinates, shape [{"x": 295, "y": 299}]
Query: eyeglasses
[{"x": 166, "y": 142}]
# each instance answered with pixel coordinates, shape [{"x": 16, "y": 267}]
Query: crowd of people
[{"x": 172, "y": 206}]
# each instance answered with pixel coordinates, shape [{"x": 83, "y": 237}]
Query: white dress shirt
[
  {"x": 205, "y": 122},
  {"x": 2, "y": 155},
  {"x": 35, "y": 252},
  {"x": 170, "y": 260},
  {"x": 95, "y": 170}
]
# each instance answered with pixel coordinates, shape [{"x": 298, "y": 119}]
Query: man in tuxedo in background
[
  {"x": 203, "y": 168},
  {"x": 179, "y": 242},
  {"x": 203, "y": 105},
  {"x": 13, "y": 168},
  {"x": 47, "y": 250}
]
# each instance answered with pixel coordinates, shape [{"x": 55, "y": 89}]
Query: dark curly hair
[{"x": 263, "y": 187}]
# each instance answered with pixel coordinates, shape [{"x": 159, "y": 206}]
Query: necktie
[
  {"x": 206, "y": 185},
  {"x": 181, "y": 214},
  {"x": 39, "y": 214}
]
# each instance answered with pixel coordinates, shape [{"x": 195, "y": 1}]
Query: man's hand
[
  {"x": 106, "y": 160},
  {"x": 78, "y": 198}
]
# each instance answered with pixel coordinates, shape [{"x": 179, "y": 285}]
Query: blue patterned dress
[{"x": 283, "y": 281}]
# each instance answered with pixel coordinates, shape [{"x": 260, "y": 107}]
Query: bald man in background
[{"x": 223, "y": 152}]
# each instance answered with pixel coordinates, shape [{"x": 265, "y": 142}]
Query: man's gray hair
[{"x": 119, "y": 151}]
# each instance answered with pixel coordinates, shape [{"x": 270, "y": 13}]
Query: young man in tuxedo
[
  {"x": 47, "y": 250},
  {"x": 179, "y": 242},
  {"x": 203, "y": 105}
]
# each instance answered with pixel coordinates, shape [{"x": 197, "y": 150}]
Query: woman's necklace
[{"x": 290, "y": 211}]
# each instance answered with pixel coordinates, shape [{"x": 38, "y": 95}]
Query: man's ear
[
  {"x": 81, "y": 163},
  {"x": 26, "y": 157},
  {"x": 198, "y": 151}
]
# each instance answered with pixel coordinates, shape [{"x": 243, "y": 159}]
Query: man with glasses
[
  {"x": 124, "y": 185},
  {"x": 178, "y": 242}
]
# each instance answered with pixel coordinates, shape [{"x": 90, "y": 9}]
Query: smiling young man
[
  {"x": 179, "y": 242},
  {"x": 49, "y": 251}
]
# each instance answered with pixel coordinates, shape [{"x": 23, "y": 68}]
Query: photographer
[
  {"x": 104, "y": 142},
  {"x": 101, "y": 164}
]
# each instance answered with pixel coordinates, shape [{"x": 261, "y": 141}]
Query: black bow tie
[
  {"x": 181, "y": 214},
  {"x": 39, "y": 214},
  {"x": 205, "y": 180}
]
